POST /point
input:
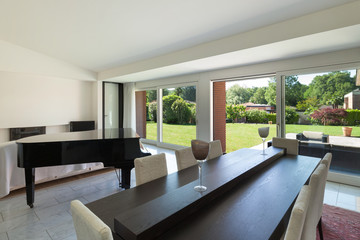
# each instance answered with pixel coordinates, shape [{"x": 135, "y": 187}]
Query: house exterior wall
[{"x": 219, "y": 110}]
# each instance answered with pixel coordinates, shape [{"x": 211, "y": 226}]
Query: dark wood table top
[{"x": 257, "y": 207}]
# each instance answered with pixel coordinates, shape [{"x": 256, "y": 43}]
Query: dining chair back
[
  {"x": 87, "y": 225},
  {"x": 215, "y": 149},
  {"x": 291, "y": 145},
  {"x": 298, "y": 215},
  {"x": 150, "y": 168},
  {"x": 327, "y": 160},
  {"x": 185, "y": 158},
  {"x": 313, "y": 216}
]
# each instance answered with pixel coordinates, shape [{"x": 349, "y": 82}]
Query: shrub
[
  {"x": 308, "y": 105},
  {"x": 234, "y": 112},
  {"x": 181, "y": 110},
  {"x": 192, "y": 107},
  {"x": 271, "y": 117},
  {"x": 147, "y": 112},
  {"x": 168, "y": 114},
  {"x": 329, "y": 116},
  {"x": 291, "y": 116},
  {"x": 256, "y": 116},
  {"x": 153, "y": 111},
  {"x": 353, "y": 117}
]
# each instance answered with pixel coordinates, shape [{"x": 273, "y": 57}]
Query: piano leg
[
  {"x": 30, "y": 186},
  {"x": 125, "y": 177}
]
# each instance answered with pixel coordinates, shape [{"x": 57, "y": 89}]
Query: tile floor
[{"x": 51, "y": 219}]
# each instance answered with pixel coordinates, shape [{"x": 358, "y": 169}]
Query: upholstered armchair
[{"x": 312, "y": 136}]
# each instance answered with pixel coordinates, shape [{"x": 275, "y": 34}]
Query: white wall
[
  {"x": 21, "y": 60},
  {"x": 32, "y": 100}
]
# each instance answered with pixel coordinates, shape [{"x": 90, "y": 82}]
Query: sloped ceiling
[{"x": 102, "y": 36}]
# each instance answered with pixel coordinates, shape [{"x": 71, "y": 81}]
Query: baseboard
[{"x": 348, "y": 179}]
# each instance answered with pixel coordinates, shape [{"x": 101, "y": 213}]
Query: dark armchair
[{"x": 312, "y": 136}]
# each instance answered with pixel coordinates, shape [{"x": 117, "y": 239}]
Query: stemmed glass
[
  {"x": 264, "y": 133},
  {"x": 200, "y": 150}
]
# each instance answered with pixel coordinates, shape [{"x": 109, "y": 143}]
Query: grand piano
[{"x": 113, "y": 147}]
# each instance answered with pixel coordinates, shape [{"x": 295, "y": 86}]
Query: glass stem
[
  {"x": 200, "y": 173},
  {"x": 263, "y": 146}
]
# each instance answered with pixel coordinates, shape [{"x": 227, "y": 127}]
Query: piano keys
[{"x": 113, "y": 147}]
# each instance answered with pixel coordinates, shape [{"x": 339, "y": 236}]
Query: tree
[
  {"x": 329, "y": 116},
  {"x": 234, "y": 112},
  {"x": 178, "y": 91},
  {"x": 331, "y": 88},
  {"x": 259, "y": 96},
  {"x": 181, "y": 111},
  {"x": 293, "y": 91},
  {"x": 188, "y": 93},
  {"x": 151, "y": 96},
  {"x": 153, "y": 111},
  {"x": 166, "y": 92},
  {"x": 237, "y": 95},
  {"x": 270, "y": 93},
  {"x": 168, "y": 114}
]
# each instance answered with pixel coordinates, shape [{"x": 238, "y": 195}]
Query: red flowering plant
[{"x": 329, "y": 116}]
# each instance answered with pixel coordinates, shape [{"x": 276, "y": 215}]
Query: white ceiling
[{"x": 102, "y": 34}]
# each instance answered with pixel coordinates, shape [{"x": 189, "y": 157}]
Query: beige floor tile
[{"x": 3, "y": 236}]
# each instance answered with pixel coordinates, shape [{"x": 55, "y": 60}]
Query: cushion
[{"x": 313, "y": 135}]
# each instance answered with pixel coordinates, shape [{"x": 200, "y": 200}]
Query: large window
[
  {"x": 322, "y": 110},
  {"x": 173, "y": 119},
  {"x": 179, "y": 115},
  {"x": 323, "y": 102},
  {"x": 250, "y": 104}
]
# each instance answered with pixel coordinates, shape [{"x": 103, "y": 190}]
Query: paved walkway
[{"x": 337, "y": 140}]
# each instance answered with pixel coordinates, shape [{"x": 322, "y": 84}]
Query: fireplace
[{"x": 17, "y": 133}]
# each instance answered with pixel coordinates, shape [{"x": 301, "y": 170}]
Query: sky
[{"x": 263, "y": 82}]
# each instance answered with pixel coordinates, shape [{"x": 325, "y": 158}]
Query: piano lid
[{"x": 114, "y": 133}]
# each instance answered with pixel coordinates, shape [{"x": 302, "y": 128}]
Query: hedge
[{"x": 353, "y": 117}]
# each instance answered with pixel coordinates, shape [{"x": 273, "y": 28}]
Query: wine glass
[
  {"x": 263, "y": 132},
  {"x": 200, "y": 150}
]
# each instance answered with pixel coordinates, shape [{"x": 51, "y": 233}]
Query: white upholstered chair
[
  {"x": 298, "y": 215},
  {"x": 215, "y": 149},
  {"x": 291, "y": 145},
  {"x": 87, "y": 225},
  {"x": 184, "y": 158},
  {"x": 313, "y": 216},
  {"x": 327, "y": 160},
  {"x": 150, "y": 168}
]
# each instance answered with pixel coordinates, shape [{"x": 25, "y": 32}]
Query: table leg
[
  {"x": 125, "y": 177},
  {"x": 30, "y": 186}
]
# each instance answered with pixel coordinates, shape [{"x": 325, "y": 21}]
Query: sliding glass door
[
  {"x": 325, "y": 102},
  {"x": 179, "y": 115},
  {"x": 171, "y": 115}
]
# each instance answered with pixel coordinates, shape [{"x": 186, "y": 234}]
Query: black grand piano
[{"x": 113, "y": 147}]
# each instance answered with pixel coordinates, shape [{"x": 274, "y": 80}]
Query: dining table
[{"x": 249, "y": 196}]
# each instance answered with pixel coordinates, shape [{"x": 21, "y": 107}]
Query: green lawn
[
  {"x": 173, "y": 133},
  {"x": 238, "y": 135}
]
